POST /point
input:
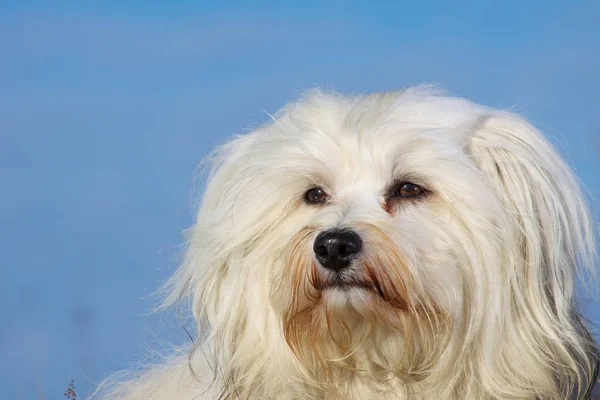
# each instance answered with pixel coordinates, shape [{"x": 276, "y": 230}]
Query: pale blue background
[{"x": 106, "y": 109}]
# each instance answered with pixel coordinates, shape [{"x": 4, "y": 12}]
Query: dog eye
[
  {"x": 408, "y": 189},
  {"x": 315, "y": 195}
]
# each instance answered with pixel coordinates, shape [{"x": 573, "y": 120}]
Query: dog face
[
  {"x": 383, "y": 229},
  {"x": 407, "y": 235}
]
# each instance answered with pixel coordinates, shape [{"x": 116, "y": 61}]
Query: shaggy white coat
[{"x": 475, "y": 280}]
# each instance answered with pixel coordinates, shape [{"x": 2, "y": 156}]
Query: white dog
[{"x": 396, "y": 245}]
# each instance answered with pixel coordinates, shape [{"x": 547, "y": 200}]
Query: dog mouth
[
  {"x": 348, "y": 284},
  {"x": 351, "y": 283}
]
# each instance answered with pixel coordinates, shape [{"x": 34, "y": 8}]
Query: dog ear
[
  {"x": 553, "y": 235},
  {"x": 541, "y": 195}
]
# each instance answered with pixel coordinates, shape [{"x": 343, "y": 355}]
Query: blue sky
[{"x": 106, "y": 109}]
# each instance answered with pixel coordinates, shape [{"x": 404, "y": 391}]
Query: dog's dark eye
[
  {"x": 408, "y": 189},
  {"x": 315, "y": 195}
]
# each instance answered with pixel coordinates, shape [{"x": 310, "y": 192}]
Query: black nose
[{"x": 336, "y": 248}]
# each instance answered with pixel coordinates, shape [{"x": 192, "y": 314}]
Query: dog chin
[{"x": 346, "y": 301}]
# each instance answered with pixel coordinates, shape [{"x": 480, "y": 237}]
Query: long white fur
[{"x": 490, "y": 257}]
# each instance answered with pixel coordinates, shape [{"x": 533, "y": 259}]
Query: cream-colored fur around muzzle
[{"x": 396, "y": 245}]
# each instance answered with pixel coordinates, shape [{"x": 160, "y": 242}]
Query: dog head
[{"x": 402, "y": 236}]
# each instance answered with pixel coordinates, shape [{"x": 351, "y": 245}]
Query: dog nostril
[
  {"x": 347, "y": 248},
  {"x": 321, "y": 250}
]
